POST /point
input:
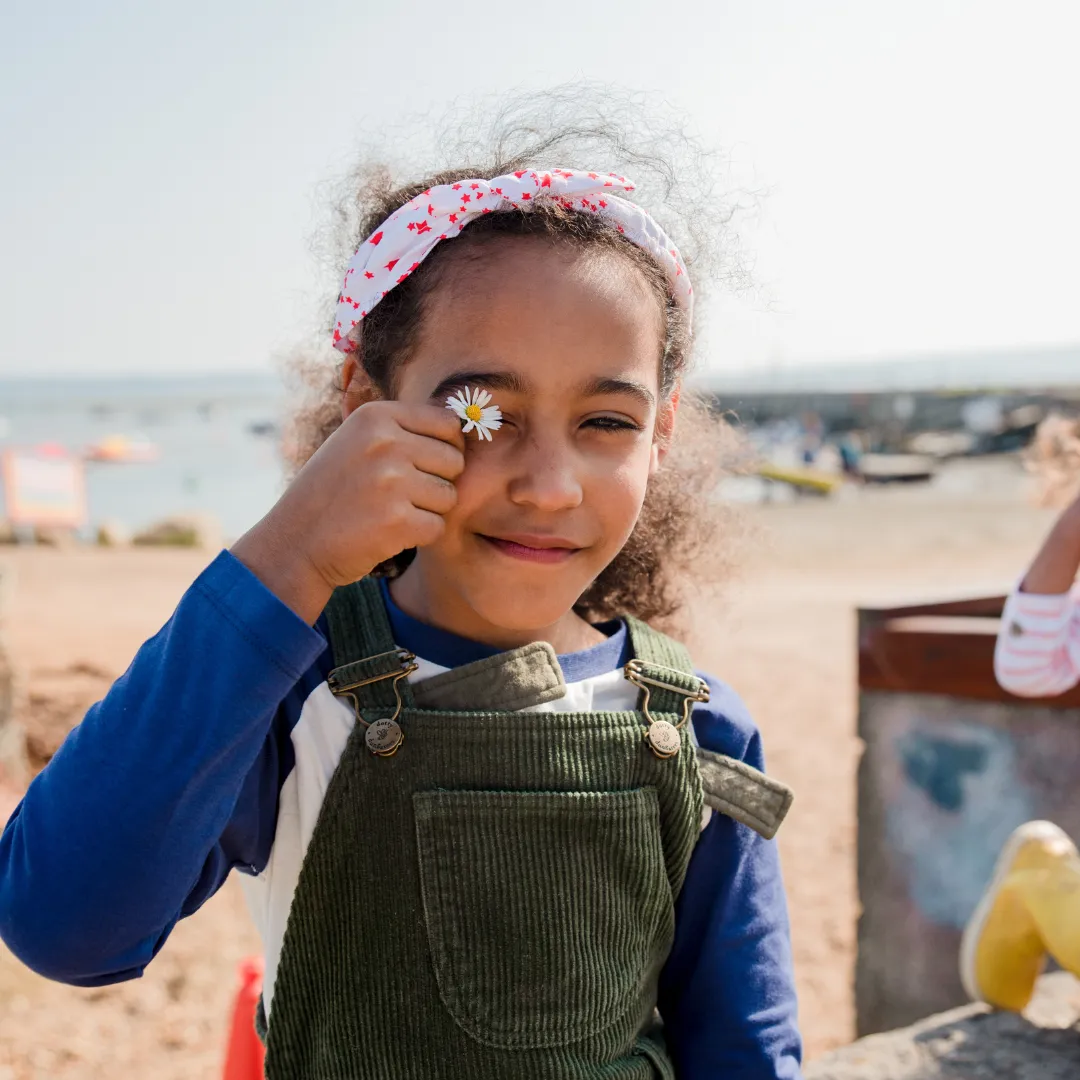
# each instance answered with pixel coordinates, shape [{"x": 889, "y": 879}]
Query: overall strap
[
  {"x": 742, "y": 792},
  {"x": 730, "y": 786},
  {"x": 363, "y": 646},
  {"x": 662, "y": 659}
]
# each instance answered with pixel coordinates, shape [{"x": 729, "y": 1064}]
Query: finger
[
  {"x": 427, "y": 492},
  {"x": 430, "y": 420},
  {"x": 434, "y": 456},
  {"x": 425, "y": 528}
]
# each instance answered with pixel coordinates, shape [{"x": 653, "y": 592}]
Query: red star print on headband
[{"x": 442, "y": 212}]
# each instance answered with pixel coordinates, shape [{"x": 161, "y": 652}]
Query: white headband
[{"x": 406, "y": 238}]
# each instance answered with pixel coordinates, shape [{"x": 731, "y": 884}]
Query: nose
[{"x": 547, "y": 475}]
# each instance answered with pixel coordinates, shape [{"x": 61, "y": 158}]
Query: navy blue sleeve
[
  {"x": 727, "y": 992},
  {"x": 167, "y": 784}
]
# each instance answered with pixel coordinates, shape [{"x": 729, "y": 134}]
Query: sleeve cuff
[
  {"x": 242, "y": 598},
  {"x": 1039, "y": 609}
]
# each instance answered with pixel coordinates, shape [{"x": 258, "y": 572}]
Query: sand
[{"x": 782, "y": 634}]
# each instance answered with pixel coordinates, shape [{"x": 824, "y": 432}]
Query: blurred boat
[
  {"x": 942, "y": 445},
  {"x": 815, "y": 481},
  {"x": 896, "y": 468},
  {"x": 121, "y": 450}
]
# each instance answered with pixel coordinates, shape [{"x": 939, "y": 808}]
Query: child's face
[{"x": 568, "y": 344}]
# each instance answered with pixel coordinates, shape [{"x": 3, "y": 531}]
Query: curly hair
[
  {"x": 1054, "y": 459},
  {"x": 678, "y": 543}
]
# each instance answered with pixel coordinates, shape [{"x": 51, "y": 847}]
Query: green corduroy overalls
[{"x": 495, "y": 899}]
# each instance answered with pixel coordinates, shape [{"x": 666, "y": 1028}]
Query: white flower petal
[
  {"x": 458, "y": 405},
  {"x": 476, "y": 399}
]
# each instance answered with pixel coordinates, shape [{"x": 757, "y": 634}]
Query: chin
[{"x": 520, "y": 605}]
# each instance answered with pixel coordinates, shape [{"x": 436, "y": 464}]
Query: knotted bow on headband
[{"x": 406, "y": 238}]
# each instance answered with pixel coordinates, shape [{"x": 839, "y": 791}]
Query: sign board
[{"x": 43, "y": 489}]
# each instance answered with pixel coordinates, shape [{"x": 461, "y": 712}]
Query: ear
[
  {"x": 357, "y": 387},
  {"x": 665, "y": 427}
]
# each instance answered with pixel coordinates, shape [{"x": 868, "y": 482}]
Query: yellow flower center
[{"x": 474, "y": 413}]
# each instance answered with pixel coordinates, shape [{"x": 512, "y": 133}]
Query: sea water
[{"x": 217, "y": 438}]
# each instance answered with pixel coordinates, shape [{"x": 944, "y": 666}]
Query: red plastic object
[{"x": 245, "y": 1055}]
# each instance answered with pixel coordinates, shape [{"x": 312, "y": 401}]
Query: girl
[
  {"x": 1031, "y": 908},
  {"x": 479, "y": 837}
]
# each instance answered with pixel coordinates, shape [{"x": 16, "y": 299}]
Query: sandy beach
[{"x": 783, "y": 635}]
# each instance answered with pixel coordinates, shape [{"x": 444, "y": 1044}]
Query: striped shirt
[{"x": 1038, "y": 647}]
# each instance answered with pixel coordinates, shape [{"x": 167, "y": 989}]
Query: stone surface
[{"x": 972, "y": 1043}]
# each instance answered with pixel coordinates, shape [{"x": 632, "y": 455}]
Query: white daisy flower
[{"x": 472, "y": 406}]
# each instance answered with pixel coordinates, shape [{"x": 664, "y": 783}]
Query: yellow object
[
  {"x": 1030, "y": 909},
  {"x": 812, "y": 479}
]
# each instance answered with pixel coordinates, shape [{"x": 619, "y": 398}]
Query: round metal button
[
  {"x": 664, "y": 738},
  {"x": 383, "y": 737}
]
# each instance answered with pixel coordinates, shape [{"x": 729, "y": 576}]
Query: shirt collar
[{"x": 450, "y": 650}]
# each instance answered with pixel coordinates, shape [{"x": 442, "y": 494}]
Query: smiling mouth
[{"x": 533, "y": 549}]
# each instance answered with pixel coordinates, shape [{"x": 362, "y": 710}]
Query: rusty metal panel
[{"x": 944, "y": 778}]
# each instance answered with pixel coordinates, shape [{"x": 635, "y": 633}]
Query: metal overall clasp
[
  {"x": 663, "y": 737},
  {"x": 383, "y": 736}
]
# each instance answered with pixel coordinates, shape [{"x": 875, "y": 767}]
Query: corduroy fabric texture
[
  {"x": 495, "y": 901},
  {"x": 518, "y": 679},
  {"x": 742, "y": 792}
]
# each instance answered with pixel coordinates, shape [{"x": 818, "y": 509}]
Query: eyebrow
[
  {"x": 513, "y": 383},
  {"x": 509, "y": 381},
  {"x": 598, "y": 386}
]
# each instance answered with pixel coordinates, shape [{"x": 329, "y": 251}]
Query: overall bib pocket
[{"x": 547, "y": 913}]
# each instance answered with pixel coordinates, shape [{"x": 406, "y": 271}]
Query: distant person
[
  {"x": 465, "y": 858},
  {"x": 1031, "y": 908},
  {"x": 850, "y": 455}
]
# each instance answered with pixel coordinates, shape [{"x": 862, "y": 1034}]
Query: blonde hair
[{"x": 1054, "y": 458}]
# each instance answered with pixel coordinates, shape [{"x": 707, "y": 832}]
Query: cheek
[{"x": 617, "y": 491}]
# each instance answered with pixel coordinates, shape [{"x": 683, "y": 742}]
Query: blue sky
[{"x": 162, "y": 164}]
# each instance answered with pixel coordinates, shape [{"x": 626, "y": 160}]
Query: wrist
[
  {"x": 284, "y": 568},
  {"x": 1071, "y": 516}
]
